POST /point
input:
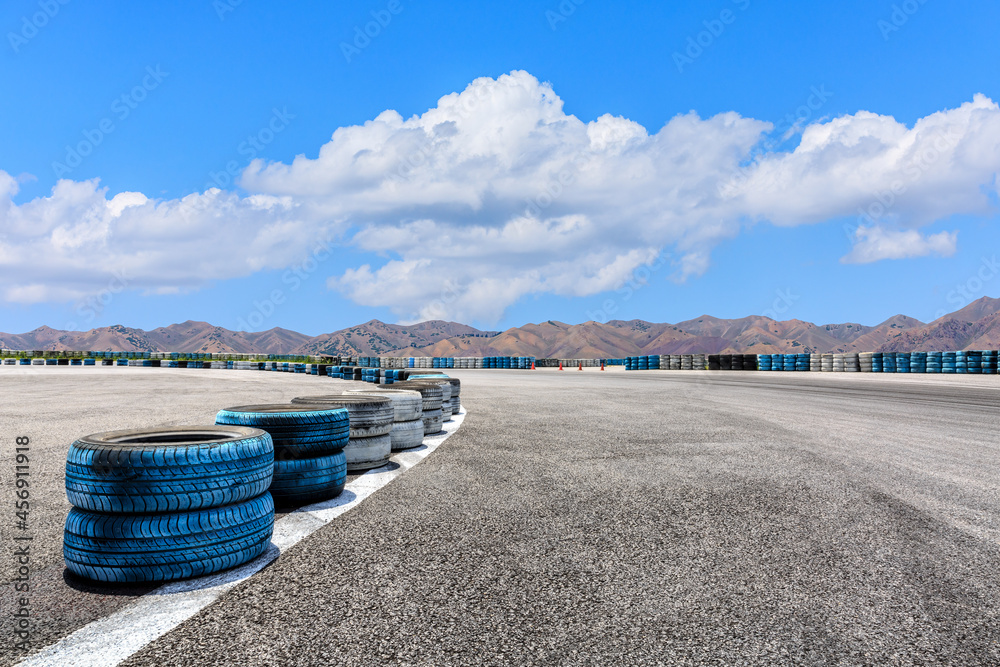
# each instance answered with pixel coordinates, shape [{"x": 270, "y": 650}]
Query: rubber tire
[
  {"x": 433, "y": 421},
  {"x": 406, "y": 404},
  {"x": 164, "y": 547},
  {"x": 297, "y": 431},
  {"x": 432, "y": 394},
  {"x": 407, "y": 435},
  {"x": 211, "y": 466},
  {"x": 369, "y": 416},
  {"x": 367, "y": 453},
  {"x": 309, "y": 480},
  {"x": 443, "y": 383}
]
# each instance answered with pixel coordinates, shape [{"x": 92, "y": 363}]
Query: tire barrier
[
  {"x": 877, "y": 362},
  {"x": 815, "y": 362},
  {"x": 961, "y": 363},
  {"x": 446, "y": 394},
  {"x": 407, "y": 421},
  {"x": 865, "y": 362},
  {"x": 933, "y": 362},
  {"x": 989, "y": 362},
  {"x": 851, "y": 362},
  {"x": 164, "y": 504},
  {"x": 838, "y": 363},
  {"x": 433, "y": 397},
  {"x": 948, "y": 362},
  {"x": 802, "y": 362},
  {"x": 371, "y": 417},
  {"x": 306, "y": 441},
  {"x": 698, "y": 362},
  {"x": 826, "y": 363}
]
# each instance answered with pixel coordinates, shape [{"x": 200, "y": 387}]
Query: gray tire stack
[
  {"x": 456, "y": 400},
  {"x": 433, "y": 396},
  {"x": 851, "y": 362},
  {"x": 865, "y": 362},
  {"x": 815, "y": 362},
  {"x": 675, "y": 362},
  {"x": 838, "y": 363},
  {"x": 408, "y": 424},
  {"x": 686, "y": 362},
  {"x": 826, "y": 363},
  {"x": 698, "y": 362},
  {"x": 371, "y": 419}
]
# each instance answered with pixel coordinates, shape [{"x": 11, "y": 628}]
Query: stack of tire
[
  {"x": 888, "y": 362},
  {"x": 826, "y": 363},
  {"x": 447, "y": 407},
  {"x": 687, "y": 362},
  {"x": 643, "y": 363},
  {"x": 918, "y": 362},
  {"x": 777, "y": 362},
  {"x": 698, "y": 362},
  {"x": 407, "y": 421},
  {"x": 764, "y": 362},
  {"x": 838, "y": 363},
  {"x": 802, "y": 362},
  {"x": 369, "y": 443},
  {"x": 948, "y": 361},
  {"x": 989, "y": 362},
  {"x": 961, "y": 362},
  {"x": 448, "y": 388},
  {"x": 974, "y": 362},
  {"x": 876, "y": 362},
  {"x": 815, "y": 362},
  {"x": 726, "y": 362},
  {"x": 902, "y": 362},
  {"x": 309, "y": 461},
  {"x": 865, "y": 362},
  {"x": 714, "y": 362},
  {"x": 852, "y": 363},
  {"x": 165, "y": 504},
  {"x": 675, "y": 362},
  {"x": 933, "y": 362},
  {"x": 432, "y": 395},
  {"x": 789, "y": 363}
]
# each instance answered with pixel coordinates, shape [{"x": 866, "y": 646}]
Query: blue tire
[
  {"x": 164, "y": 547},
  {"x": 174, "y": 469},
  {"x": 296, "y": 430},
  {"x": 309, "y": 480}
]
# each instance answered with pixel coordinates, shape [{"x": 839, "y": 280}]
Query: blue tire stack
[
  {"x": 948, "y": 362},
  {"x": 902, "y": 362},
  {"x": 974, "y": 362},
  {"x": 165, "y": 504},
  {"x": 309, "y": 460},
  {"x": 989, "y": 362},
  {"x": 789, "y": 364},
  {"x": 918, "y": 362},
  {"x": 877, "y": 362},
  {"x": 763, "y": 362},
  {"x": 801, "y": 362},
  {"x": 933, "y": 362},
  {"x": 889, "y": 362},
  {"x": 961, "y": 363}
]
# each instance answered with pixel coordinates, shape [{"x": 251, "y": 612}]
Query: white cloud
[
  {"x": 876, "y": 243},
  {"x": 496, "y": 194}
]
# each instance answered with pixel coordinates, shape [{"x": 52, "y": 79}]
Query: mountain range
[{"x": 976, "y": 326}]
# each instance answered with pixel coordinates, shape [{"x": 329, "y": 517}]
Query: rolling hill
[{"x": 976, "y": 326}]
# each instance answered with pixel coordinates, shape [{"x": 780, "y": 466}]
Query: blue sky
[{"x": 604, "y": 160}]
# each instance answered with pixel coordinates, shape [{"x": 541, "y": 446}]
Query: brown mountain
[{"x": 976, "y": 326}]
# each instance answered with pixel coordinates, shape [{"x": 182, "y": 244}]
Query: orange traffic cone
[
  {"x": 532, "y": 365},
  {"x": 560, "y": 365},
  {"x": 602, "y": 365},
  {"x": 581, "y": 366}
]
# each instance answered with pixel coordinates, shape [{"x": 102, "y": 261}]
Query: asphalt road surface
[{"x": 585, "y": 518}]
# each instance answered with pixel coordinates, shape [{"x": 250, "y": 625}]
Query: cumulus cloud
[
  {"x": 876, "y": 243},
  {"x": 496, "y": 194}
]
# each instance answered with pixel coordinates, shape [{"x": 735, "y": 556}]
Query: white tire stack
[
  {"x": 815, "y": 363},
  {"x": 851, "y": 362},
  {"x": 838, "y": 363},
  {"x": 865, "y": 362},
  {"x": 826, "y": 363}
]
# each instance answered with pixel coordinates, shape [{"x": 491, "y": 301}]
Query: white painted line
[{"x": 110, "y": 640}]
